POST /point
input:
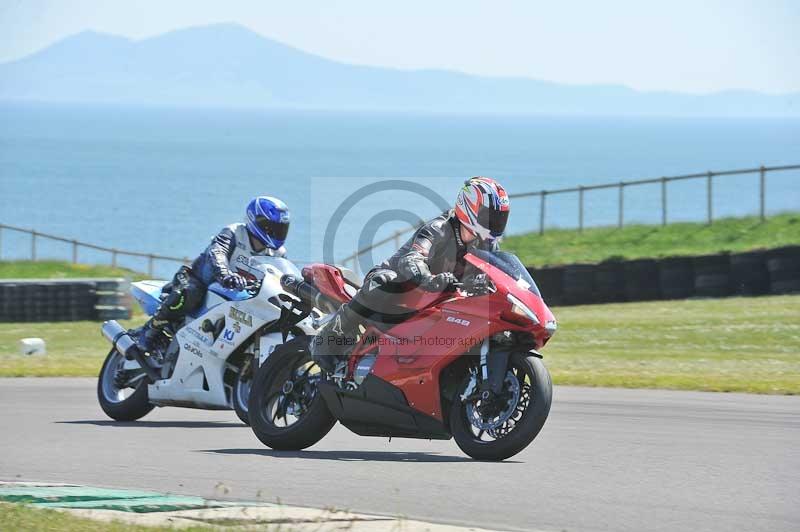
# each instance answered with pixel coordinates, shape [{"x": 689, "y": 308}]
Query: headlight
[
  {"x": 551, "y": 327},
  {"x": 520, "y": 308}
]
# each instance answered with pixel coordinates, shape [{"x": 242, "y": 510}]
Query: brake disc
[{"x": 476, "y": 417}]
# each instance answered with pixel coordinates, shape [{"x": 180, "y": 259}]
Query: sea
[{"x": 164, "y": 181}]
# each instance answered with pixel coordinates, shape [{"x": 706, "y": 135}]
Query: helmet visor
[
  {"x": 276, "y": 230},
  {"x": 494, "y": 220}
]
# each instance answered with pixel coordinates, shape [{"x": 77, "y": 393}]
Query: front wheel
[
  {"x": 241, "y": 390},
  {"x": 498, "y": 427},
  {"x": 122, "y": 393},
  {"x": 286, "y": 409}
]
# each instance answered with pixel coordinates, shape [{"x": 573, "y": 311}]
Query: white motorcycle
[{"x": 209, "y": 361}]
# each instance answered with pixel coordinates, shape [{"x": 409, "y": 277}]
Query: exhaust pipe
[
  {"x": 126, "y": 345},
  {"x": 119, "y": 338},
  {"x": 307, "y": 293}
]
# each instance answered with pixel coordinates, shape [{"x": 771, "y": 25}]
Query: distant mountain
[{"x": 230, "y": 66}]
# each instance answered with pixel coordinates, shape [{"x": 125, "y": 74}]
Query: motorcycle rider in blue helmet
[{"x": 225, "y": 260}]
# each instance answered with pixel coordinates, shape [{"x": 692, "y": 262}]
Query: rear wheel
[
  {"x": 122, "y": 393},
  {"x": 286, "y": 410},
  {"x": 488, "y": 427}
]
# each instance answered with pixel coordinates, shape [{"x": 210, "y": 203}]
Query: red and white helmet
[{"x": 482, "y": 207}]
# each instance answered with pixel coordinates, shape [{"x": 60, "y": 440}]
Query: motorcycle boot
[
  {"x": 335, "y": 339},
  {"x": 153, "y": 336}
]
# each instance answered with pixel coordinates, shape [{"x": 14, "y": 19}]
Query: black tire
[
  {"x": 712, "y": 285},
  {"x": 609, "y": 282},
  {"x": 676, "y": 277},
  {"x": 749, "y": 274},
  {"x": 525, "y": 429},
  {"x": 550, "y": 283},
  {"x": 783, "y": 269},
  {"x": 783, "y": 265},
  {"x": 785, "y": 287},
  {"x": 578, "y": 284},
  {"x": 712, "y": 275},
  {"x": 640, "y": 280},
  {"x": 316, "y": 420},
  {"x": 135, "y": 406}
]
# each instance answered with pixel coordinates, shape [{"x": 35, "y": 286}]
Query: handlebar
[
  {"x": 469, "y": 284},
  {"x": 253, "y": 287}
]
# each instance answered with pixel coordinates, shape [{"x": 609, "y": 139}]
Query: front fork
[
  {"x": 490, "y": 375},
  {"x": 494, "y": 367}
]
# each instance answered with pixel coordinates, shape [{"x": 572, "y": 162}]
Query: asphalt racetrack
[{"x": 629, "y": 460}]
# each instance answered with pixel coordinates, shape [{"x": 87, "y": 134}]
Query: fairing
[{"x": 412, "y": 354}]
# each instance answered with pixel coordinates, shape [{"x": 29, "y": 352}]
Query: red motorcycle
[{"x": 463, "y": 364}]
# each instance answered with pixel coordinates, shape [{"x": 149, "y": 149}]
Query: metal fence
[
  {"x": 581, "y": 191},
  {"x": 114, "y": 253},
  {"x": 76, "y": 245},
  {"x": 352, "y": 260}
]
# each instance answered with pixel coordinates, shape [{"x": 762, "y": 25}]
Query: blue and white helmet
[{"x": 267, "y": 221}]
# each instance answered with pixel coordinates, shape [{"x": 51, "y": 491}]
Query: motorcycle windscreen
[{"x": 509, "y": 264}]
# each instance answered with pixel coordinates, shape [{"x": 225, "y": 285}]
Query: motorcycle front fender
[{"x": 497, "y": 366}]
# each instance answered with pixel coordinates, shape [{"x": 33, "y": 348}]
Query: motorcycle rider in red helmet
[{"x": 432, "y": 259}]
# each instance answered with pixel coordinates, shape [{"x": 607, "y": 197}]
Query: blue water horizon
[{"x": 164, "y": 180}]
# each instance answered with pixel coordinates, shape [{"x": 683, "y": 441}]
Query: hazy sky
[{"x": 692, "y": 46}]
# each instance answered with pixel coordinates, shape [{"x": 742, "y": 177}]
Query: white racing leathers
[{"x": 231, "y": 251}]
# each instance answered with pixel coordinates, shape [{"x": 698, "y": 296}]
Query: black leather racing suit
[{"x": 434, "y": 248}]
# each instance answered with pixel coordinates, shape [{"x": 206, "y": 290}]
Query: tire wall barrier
[
  {"x": 752, "y": 273},
  {"x": 609, "y": 281},
  {"x": 640, "y": 280},
  {"x": 712, "y": 276},
  {"x": 553, "y": 279},
  {"x": 676, "y": 277},
  {"x": 29, "y": 300},
  {"x": 783, "y": 265},
  {"x": 578, "y": 284}
]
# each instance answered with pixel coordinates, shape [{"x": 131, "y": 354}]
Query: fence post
[
  {"x": 33, "y": 245},
  {"x": 150, "y": 265},
  {"x": 541, "y": 211},
  {"x": 761, "y": 188},
  {"x": 621, "y": 204},
  {"x": 663, "y": 201},
  {"x": 113, "y": 258},
  {"x": 1, "y": 241},
  {"x": 74, "y": 252},
  {"x": 580, "y": 209},
  {"x": 709, "y": 193}
]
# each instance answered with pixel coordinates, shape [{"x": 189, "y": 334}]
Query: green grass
[
  {"x": 54, "y": 269},
  {"x": 731, "y": 345},
  {"x": 74, "y": 348},
  {"x": 563, "y": 246},
  {"x": 734, "y": 344},
  {"x": 25, "y": 517}
]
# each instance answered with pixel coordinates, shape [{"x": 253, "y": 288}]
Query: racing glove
[
  {"x": 479, "y": 284},
  {"x": 234, "y": 281},
  {"x": 439, "y": 283}
]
